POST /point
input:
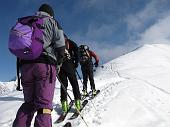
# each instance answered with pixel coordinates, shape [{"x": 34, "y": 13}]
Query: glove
[
  {"x": 58, "y": 68},
  {"x": 96, "y": 64},
  {"x": 59, "y": 64},
  {"x": 59, "y": 61}
]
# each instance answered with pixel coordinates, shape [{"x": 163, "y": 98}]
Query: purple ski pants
[{"x": 38, "y": 81}]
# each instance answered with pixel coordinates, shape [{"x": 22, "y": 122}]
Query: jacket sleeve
[
  {"x": 58, "y": 38},
  {"x": 59, "y": 43},
  {"x": 92, "y": 54}
]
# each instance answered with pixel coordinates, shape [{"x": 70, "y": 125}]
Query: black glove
[
  {"x": 59, "y": 61},
  {"x": 59, "y": 64},
  {"x": 58, "y": 68},
  {"x": 96, "y": 64}
]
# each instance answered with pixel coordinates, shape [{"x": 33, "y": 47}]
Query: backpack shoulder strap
[
  {"x": 87, "y": 53},
  {"x": 18, "y": 76}
]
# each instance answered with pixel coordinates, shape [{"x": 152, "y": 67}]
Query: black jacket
[{"x": 72, "y": 49}]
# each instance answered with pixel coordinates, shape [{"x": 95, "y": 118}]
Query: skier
[
  {"x": 68, "y": 72},
  {"x": 38, "y": 76},
  {"x": 87, "y": 67}
]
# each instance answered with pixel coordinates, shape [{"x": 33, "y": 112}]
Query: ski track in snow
[{"x": 96, "y": 106}]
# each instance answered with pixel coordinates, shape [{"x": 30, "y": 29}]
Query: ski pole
[
  {"x": 65, "y": 90},
  {"x": 18, "y": 75},
  {"x": 101, "y": 66},
  {"x": 79, "y": 77}
]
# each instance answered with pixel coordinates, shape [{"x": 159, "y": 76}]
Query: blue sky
[{"x": 110, "y": 27}]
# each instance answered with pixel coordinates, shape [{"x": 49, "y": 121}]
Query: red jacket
[{"x": 92, "y": 54}]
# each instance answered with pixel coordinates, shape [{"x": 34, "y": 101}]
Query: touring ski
[
  {"x": 64, "y": 114},
  {"x": 76, "y": 113},
  {"x": 90, "y": 95}
]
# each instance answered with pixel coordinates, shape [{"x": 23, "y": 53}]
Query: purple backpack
[{"x": 26, "y": 38}]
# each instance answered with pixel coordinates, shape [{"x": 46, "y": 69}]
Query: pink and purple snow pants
[{"x": 38, "y": 81}]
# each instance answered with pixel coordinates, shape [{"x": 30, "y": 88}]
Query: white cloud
[
  {"x": 96, "y": 4},
  {"x": 150, "y": 24},
  {"x": 157, "y": 33},
  {"x": 109, "y": 51},
  {"x": 157, "y": 14},
  {"x": 98, "y": 32},
  {"x": 152, "y": 11}
]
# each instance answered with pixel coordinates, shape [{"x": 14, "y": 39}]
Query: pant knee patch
[{"x": 44, "y": 111}]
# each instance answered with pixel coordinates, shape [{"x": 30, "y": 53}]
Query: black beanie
[{"x": 47, "y": 8}]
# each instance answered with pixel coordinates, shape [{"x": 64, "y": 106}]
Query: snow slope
[{"x": 135, "y": 92}]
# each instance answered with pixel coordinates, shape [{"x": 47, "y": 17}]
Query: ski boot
[
  {"x": 85, "y": 93},
  {"x": 64, "y": 106},
  {"x": 94, "y": 92},
  {"x": 78, "y": 104}
]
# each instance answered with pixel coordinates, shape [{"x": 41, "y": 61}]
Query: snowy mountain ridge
[{"x": 135, "y": 92}]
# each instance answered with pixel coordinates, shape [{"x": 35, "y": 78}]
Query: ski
[
  {"x": 68, "y": 124},
  {"x": 76, "y": 113},
  {"x": 91, "y": 96},
  {"x": 64, "y": 114}
]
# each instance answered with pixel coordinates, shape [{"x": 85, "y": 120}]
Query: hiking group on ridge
[{"x": 44, "y": 51}]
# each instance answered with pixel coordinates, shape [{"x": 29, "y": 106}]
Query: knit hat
[{"x": 47, "y": 8}]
